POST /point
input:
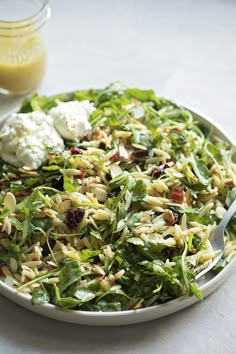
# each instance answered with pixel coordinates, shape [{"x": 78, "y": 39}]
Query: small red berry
[
  {"x": 76, "y": 151},
  {"x": 74, "y": 216}
]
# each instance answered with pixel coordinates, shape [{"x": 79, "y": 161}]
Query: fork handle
[{"x": 228, "y": 215}]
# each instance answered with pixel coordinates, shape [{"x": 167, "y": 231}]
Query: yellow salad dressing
[{"x": 22, "y": 59}]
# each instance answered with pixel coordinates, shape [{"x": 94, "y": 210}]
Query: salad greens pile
[{"x": 122, "y": 218}]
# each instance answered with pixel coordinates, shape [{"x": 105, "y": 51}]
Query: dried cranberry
[
  {"x": 82, "y": 173},
  {"x": 46, "y": 249},
  {"x": 12, "y": 178},
  {"x": 102, "y": 145},
  {"x": 114, "y": 192},
  {"x": 108, "y": 176},
  {"x": 177, "y": 195},
  {"x": 139, "y": 154},
  {"x": 58, "y": 183},
  {"x": 157, "y": 172},
  {"x": 76, "y": 151},
  {"x": 166, "y": 166},
  {"x": 177, "y": 129},
  {"x": 74, "y": 216}
]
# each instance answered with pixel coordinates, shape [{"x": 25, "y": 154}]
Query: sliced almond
[
  {"x": 138, "y": 112},
  {"x": 100, "y": 194},
  {"x": 10, "y": 201},
  {"x": 115, "y": 170},
  {"x": 26, "y": 171},
  {"x": 220, "y": 212},
  {"x": 123, "y": 152}
]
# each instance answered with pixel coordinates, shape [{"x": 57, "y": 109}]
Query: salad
[{"x": 121, "y": 217}]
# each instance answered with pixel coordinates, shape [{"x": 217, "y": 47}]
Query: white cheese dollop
[
  {"x": 71, "y": 119},
  {"x": 25, "y": 137}
]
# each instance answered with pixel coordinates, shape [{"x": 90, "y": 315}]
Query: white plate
[{"x": 207, "y": 285}]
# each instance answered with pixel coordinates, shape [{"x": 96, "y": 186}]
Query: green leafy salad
[{"x": 121, "y": 218}]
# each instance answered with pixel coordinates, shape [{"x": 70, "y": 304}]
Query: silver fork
[{"x": 217, "y": 241}]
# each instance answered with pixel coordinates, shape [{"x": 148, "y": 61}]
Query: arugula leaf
[
  {"x": 113, "y": 121},
  {"x": 220, "y": 265},
  {"x": 65, "y": 302},
  {"x": 43, "y": 223},
  {"x": 132, "y": 218},
  {"x": 178, "y": 139},
  {"x": 87, "y": 253},
  {"x": 40, "y": 296},
  {"x": 90, "y": 95},
  {"x": 191, "y": 179},
  {"x": 69, "y": 275},
  {"x": 200, "y": 169},
  {"x": 25, "y": 227},
  {"x": 26, "y": 105},
  {"x": 214, "y": 151},
  {"x": 69, "y": 184},
  {"x": 43, "y": 103},
  {"x": 31, "y": 203},
  {"x": 96, "y": 234},
  {"x": 151, "y": 251},
  {"x": 108, "y": 95},
  {"x": 188, "y": 276},
  {"x": 5, "y": 168},
  {"x": 13, "y": 251},
  {"x": 193, "y": 215},
  {"x": 141, "y": 95},
  {"x": 69, "y": 302},
  {"x": 230, "y": 197},
  {"x": 139, "y": 191}
]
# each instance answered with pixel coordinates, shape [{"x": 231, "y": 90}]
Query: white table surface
[{"x": 184, "y": 49}]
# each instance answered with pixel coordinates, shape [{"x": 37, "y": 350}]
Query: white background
[{"x": 185, "y": 49}]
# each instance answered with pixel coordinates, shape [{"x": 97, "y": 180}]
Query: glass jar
[{"x": 23, "y": 48}]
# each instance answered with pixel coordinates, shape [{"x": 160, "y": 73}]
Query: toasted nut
[{"x": 170, "y": 217}]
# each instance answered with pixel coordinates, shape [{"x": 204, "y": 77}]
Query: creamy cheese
[
  {"x": 26, "y": 137},
  {"x": 71, "y": 119}
]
